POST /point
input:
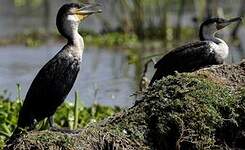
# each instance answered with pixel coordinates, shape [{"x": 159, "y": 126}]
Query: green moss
[{"x": 193, "y": 110}]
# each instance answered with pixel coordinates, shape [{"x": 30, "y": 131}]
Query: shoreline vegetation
[{"x": 114, "y": 39}]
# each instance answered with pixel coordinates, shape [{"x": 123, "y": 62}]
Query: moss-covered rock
[{"x": 199, "y": 110}]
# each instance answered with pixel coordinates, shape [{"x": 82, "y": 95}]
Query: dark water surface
[{"x": 105, "y": 76}]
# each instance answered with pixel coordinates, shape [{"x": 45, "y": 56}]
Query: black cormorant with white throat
[
  {"x": 55, "y": 80},
  {"x": 210, "y": 50}
]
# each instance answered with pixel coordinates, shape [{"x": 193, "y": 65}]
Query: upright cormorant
[
  {"x": 210, "y": 50},
  {"x": 55, "y": 80}
]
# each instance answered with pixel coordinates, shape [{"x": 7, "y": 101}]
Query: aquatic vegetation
[
  {"x": 30, "y": 39},
  {"x": 113, "y": 39}
]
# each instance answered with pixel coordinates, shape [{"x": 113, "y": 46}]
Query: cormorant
[
  {"x": 55, "y": 80},
  {"x": 210, "y": 50}
]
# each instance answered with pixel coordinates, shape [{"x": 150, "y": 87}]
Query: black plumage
[
  {"x": 49, "y": 88},
  {"x": 187, "y": 58}
]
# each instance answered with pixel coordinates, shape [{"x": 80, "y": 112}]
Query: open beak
[
  {"x": 88, "y": 9},
  {"x": 228, "y": 22}
]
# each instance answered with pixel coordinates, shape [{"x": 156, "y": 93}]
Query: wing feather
[
  {"x": 184, "y": 54},
  {"x": 51, "y": 85}
]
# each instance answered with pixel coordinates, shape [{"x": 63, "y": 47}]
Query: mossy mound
[
  {"x": 200, "y": 110},
  {"x": 191, "y": 112}
]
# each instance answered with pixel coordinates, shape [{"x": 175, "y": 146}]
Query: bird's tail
[{"x": 157, "y": 76}]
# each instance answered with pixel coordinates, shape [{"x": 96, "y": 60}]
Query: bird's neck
[
  {"x": 76, "y": 45},
  {"x": 218, "y": 45},
  {"x": 69, "y": 29},
  {"x": 220, "y": 48},
  {"x": 75, "y": 41},
  {"x": 207, "y": 33}
]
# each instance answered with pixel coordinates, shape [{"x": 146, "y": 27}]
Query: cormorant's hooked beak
[
  {"x": 228, "y": 22},
  {"x": 86, "y": 10}
]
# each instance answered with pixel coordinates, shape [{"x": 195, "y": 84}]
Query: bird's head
[
  {"x": 77, "y": 12},
  {"x": 212, "y": 25},
  {"x": 70, "y": 15}
]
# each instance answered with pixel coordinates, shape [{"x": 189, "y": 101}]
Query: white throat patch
[{"x": 73, "y": 18}]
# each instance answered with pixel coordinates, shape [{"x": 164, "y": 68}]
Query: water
[{"x": 105, "y": 76}]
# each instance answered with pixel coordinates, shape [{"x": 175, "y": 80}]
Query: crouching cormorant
[
  {"x": 210, "y": 50},
  {"x": 55, "y": 80}
]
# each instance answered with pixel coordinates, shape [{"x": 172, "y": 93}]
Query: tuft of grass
[{"x": 76, "y": 111}]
